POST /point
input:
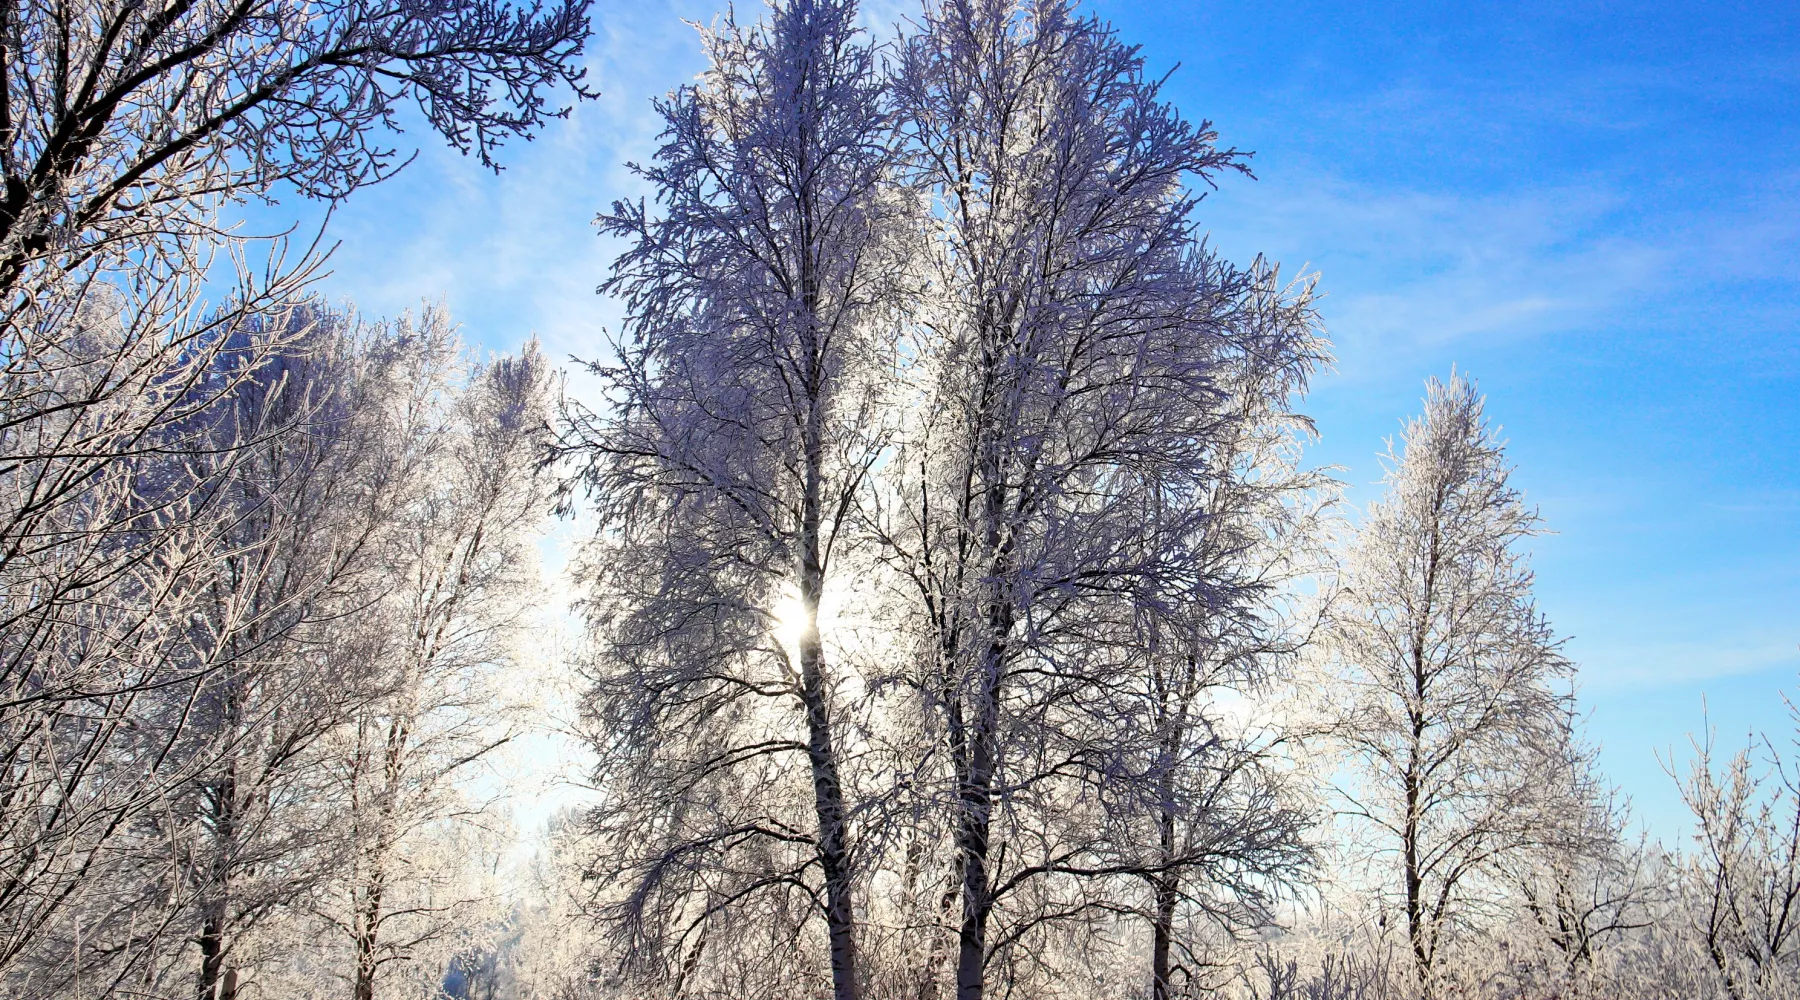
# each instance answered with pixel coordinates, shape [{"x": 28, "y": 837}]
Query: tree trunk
[
  {"x": 828, "y": 790},
  {"x": 976, "y": 800},
  {"x": 1173, "y": 696},
  {"x": 1162, "y": 936},
  {"x": 975, "y": 791},
  {"x": 368, "y": 917},
  {"x": 828, "y": 805},
  {"x": 367, "y": 920},
  {"x": 216, "y": 981},
  {"x": 1417, "y": 933},
  {"x": 975, "y": 805},
  {"x": 1415, "y": 912}
]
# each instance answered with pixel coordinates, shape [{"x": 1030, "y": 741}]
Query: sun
[
  {"x": 791, "y": 621},
  {"x": 788, "y": 618}
]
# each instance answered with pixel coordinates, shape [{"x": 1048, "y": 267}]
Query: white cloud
[
  {"x": 1619, "y": 667},
  {"x": 1407, "y": 272}
]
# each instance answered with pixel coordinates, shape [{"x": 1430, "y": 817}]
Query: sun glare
[
  {"x": 790, "y": 622},
  {"x": 789, "y": 617}
]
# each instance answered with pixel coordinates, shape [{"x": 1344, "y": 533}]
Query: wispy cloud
[
  {"x": 1663, "y": 664},
  {"x": 1410, "y": 271}
]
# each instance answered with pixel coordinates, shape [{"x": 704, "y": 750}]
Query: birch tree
[
  {"x": 111, "y": 539},
  {"x": 1230, "y": 821},
  {"x": 1448, "y": 707},
  {"x": 374, "y": 495},
  {"x": 380, "y": 576},
  {"x": 457, "y": 578},
  {"x": 758, "y": 340},
  {"x": 123, "y": 129},
  {"x": 1069, "y": 364}
]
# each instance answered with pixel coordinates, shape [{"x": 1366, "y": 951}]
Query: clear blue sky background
[{"x": 1594, "y": 208}]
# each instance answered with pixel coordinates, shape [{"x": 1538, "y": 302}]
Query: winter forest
[{"x": 958, "y": 610}]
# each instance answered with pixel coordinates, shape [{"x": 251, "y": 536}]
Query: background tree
[
  {"x": 1447, "y": 707},
  {"x": 167, "y": 780},
  {"x": 307, "y": 485},
  {"x": 380, "y": 490},
  {"x": 123, "y": 128},
  {"x": 112, "y": 538},
  {"x": 1741, "y": 885},
  {"x": 457, "y": 580},
  {"x": 1589, "y": 885},
  {"x": 1228, "y": 814}
]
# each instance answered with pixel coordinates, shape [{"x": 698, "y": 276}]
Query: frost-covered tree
[
  {"x": 1227, "y": 818},
  {"x": 124, "y": 127},
  {"x": 1069, "y": 367},
  {"x": 307, "y": 483},
  {"x": 115, "y": 504},
  {"x": 1740, "y": 887},
  {"x": 1588, "y": 885},
  {"x": 1446, "y": 695},
  {"x": 171, "y": 780},
  {"x": 758, "y": 344},
  {"x": 457, "y": 578},
  {"x": 561, "y": 950},
  {"x": 375, "y": 496}
]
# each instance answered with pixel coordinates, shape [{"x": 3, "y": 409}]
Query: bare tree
[
  {"x": 1447, "y": 708},
  {"x": 1588, "y": 885},
  {"x": 759, "y": 343},
  {"x": 1070, "y": 364},
  {"x": 1229, "y": 821},
  {"x": 374, "y": 493},
  {"x": 185, "y": 740},
  {"x": 307, "y": 495},
  {"x": 123, "y": 127},
  {"x": 109, "y": 540},
  {"x": 1741, "y": 886},
  {"x": 456, "y": 581}
]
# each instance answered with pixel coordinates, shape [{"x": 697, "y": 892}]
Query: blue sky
[{"x": 1594, "y": 208}]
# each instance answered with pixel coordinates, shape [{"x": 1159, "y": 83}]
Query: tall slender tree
[
  {"x": 1448, "y": 709},
  {"x": 185, "y": 738},
  {"x": 1228, "y": 822}
]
